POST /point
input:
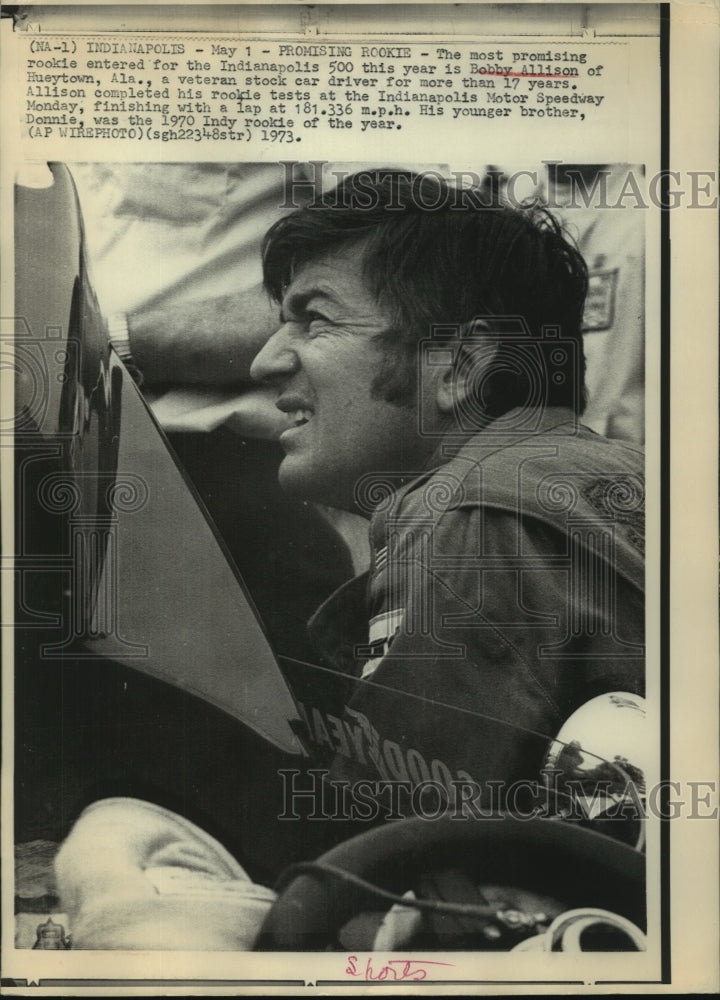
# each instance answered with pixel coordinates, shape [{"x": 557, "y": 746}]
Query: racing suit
[{"x": 505, "y": 590}]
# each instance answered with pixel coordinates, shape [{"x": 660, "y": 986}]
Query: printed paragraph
[{"x": 180, "y": 91}]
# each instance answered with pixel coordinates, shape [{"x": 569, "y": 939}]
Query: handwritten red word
[
  {"x": 396, "y": 970},
  {"x": 493, "y": 72}
]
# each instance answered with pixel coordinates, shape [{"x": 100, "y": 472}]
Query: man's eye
[{"x": 315, "y": 322}]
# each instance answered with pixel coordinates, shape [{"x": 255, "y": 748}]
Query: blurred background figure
[
  {"x": 610, "y": 233},
  {"x": 600, "y": 206}
]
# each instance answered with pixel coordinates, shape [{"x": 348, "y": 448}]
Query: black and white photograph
[{"x": 339, "y": 481}]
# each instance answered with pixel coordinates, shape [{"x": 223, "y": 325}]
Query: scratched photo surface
[{"x": 405, "y": 406}]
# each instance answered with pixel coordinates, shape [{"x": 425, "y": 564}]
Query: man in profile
[{"x": 430, "y": 364}]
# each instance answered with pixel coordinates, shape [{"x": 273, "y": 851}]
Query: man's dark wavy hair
[{"x": 436, "y": 256}]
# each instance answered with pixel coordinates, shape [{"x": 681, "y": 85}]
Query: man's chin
[{"x": 300, "y": 482}]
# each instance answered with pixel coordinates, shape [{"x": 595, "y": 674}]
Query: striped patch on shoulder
[
  {"x": 382, "y": 631},
  {"x": 385, "y": 626},
  {"x": 381, "y": 558}
]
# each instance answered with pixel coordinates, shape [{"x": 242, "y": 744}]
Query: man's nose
[{"x": 277, "y": 359}]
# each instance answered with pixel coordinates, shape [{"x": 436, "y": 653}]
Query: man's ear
[
  {"x": 445, "y": 387},
  {"x": 460, "y": 383}
]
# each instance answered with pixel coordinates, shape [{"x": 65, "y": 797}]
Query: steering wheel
[{"x": 577, "y": 867}]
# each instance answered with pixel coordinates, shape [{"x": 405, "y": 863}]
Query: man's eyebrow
[{"x": 299, "y": 300}]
